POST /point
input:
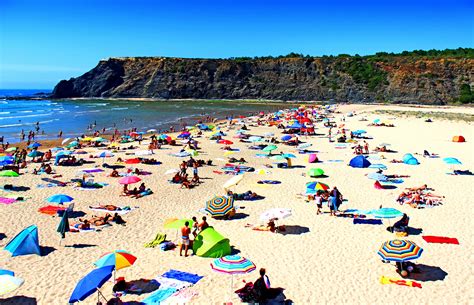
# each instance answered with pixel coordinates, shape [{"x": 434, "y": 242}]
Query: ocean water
[{"x": 74, "y": 116}]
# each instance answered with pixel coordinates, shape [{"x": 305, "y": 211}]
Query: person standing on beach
[{"x": 185, "y": 231}]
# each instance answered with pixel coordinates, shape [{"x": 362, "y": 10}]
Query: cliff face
[{"x": 342, "y": 79}]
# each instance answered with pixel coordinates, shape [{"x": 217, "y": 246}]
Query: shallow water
[{"x": 74, "y": 116}]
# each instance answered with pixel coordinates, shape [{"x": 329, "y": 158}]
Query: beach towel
[
  {"x": 181, "y": 297},
  {"x": 387, "y": 280},
  {"x": 269, "y": 182},
  {"x": 217, "y": 172},
  {"x": 167, "y": 245},
  {"x": 440, "y": 240},
  {"x": 53, "y": 181},
  {"x": 159, "y": 296},
  {"x": 166, "y": 283},
  {"x": 5, "y": 200},
  {"x": 159, "y": 238},
  {"x": 183, "y": 276},
  {"x": 395, "y": 181},
  {"x": 367, "y": 221}
]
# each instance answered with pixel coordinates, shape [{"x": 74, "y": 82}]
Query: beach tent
[
  {"x": 459, "y": 139},
  {"x": 411, "y": 161},
  {"x": 312, "y": 158},
  {"x": 359, "y": 162},
  {"x": 26, "y": 242},
  {"x": 406, "y": 157},
  {"x": 210, "y": 243}
]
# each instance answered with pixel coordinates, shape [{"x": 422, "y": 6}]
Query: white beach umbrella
[
  {"x": 233, "y": 181},
  {"x": 143, "y": 153},
  {"x": 65, "y": 141}
]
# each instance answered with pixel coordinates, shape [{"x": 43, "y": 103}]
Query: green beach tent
[{"x": 210, "y": 243}]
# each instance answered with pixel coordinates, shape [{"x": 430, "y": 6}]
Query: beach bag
[
  {"x": 401, "y": 234},
  {"x": 8, "y": 187}
]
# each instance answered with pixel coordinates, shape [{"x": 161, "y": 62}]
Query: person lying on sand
[
  {"x": 396, "y": 161},
  {"x": 421, "y": 188},
  {"x": 108, "y": 207}
]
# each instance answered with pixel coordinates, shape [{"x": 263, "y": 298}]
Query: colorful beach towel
[
  {"x": 119, "y": 212},
  {"x": 367, "y": 221},
  {"x": 387, "y": 280},
  {"x": 440, "y": 240},
  {"x": 181, "y": 297},
  {"x": 166, "y": 283},
  {"x": 183, "y": 276},
  {"x": 50, "y": 210},
  {"x": 159, "y": 238}
]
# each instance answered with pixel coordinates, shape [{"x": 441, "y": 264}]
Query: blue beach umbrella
[
  {"x": 55, "y": 149},
  {"x": 286, "y": 137},
  {"x": 411, "y": 161},
  {"x": 288, "y": 156},
  {"x": 59, "y": 198},
  {"x": 359, "y": 131},
  {"x": 254, "y": 139},
  {"x": 90, "y": 283},
  {"x": 64, "y": 153},
  {"x": 407, "y": 157},
  {"x": 452, "y": 161},
  {"x": 34, "y": 145}
]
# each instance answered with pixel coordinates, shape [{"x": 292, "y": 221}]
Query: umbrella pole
[{"x": 231, "y": 285}]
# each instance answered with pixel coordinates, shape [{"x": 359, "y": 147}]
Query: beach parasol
[
  {"x": 232, "y": 264},
  {"x": 254, "y": 139},
  {"x": 304, "y": 145},
  {"x": 35, "y": 153},
  {"x": 275, "y": 213},
  {"x": 129, "y": 180},
  {"x": 8, "y": 173},
  {"x": 59, "y": 198},
  {"x": 270, "y": 148},
  {"x": 65, "y": 141},
  {"x": 219, "y": 205},
  {"x": 7, "y": 159},
  {"x": 9, "y": 283},
  {"x": 399, "y": 250},
  {"x": 233, "y": 181},
  {"x": 268, "y": 134},
  {"x": 34, "y": 145},
  {"x": 55, "y": 149},
  {"x": 316, "y": 186},
  {"x": 119, "y": 259},
  {"x": 315, "y": 172},
  {"x": 378, "y": 166},
  {"x": 386, "y": 213},
  {"x": 225, "y": 142},
  {"x": 452, "y": 161},
  {"x": 10, "y": 149},
  {"x": 7, "y": 272},
  {"x": 63, "y": 226},
  {"x": 105, "y": 154},
  {"x": 143, "y": 153},
  {"x": 288, "y": 156},
  {"x": 278, "y": 157},
  {"x": 90, "y": 283},
  {"x": 72, "y": 144},
  {"x": 98, "y": 139},
  {"x": 132, "y": 161},
  {"x": 286, "y": 137},
  {"x": 174, "y": 223}
]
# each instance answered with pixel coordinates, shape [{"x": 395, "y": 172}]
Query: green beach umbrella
[
  {"x": 11, "y": 149},
  {"x": 8, "y": 173},
  {"x": 270, "y": 148},
  {"x": 315, "y": 172},
  {"x": 35, "y": 153},
  {"x": 278, "y": 157}
]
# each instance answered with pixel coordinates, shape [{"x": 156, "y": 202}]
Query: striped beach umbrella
[
  {"x": 399, "y": 250},
  {"x": 317, "y": 186},
  {"x": 233, "y": 264},
  {"x": 119, "y": 259},
  {"x": 8, "y": 283},
  {"x": 219, "y": 205}
]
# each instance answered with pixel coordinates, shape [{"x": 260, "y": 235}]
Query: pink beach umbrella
[{"x": 129, "y": 180}]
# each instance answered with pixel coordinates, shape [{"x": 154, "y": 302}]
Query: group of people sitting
[
  {"x": 98, "y": 221},
  {"x": 136, "y": 193},
  {"x": 44, "y": 168},
  {"x": 417, "y": 197},
  {"x": 70, "y": 161},
  {"x": 248, "y": 195}
]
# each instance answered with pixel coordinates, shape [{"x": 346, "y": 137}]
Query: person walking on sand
[
  {"x": 366, "y": 147},
  {"x": 195, "y": 227},
  {"x": 185, "y": 231}
]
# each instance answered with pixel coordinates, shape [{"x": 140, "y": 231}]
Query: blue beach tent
[
  {"x": 359, "y": 162},
  {"x": 26, "y": 242},
  {"x": 407, "y": 157},
  {"x": 411, "y": 161}
]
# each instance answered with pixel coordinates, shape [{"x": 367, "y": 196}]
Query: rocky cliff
[{"x": 405, "y": 79}]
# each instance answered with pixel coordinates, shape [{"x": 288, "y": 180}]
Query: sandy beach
[{"x": 320, "y": 259}]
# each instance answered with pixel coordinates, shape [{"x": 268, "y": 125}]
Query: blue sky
[{"x": 42, "y": 41}]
